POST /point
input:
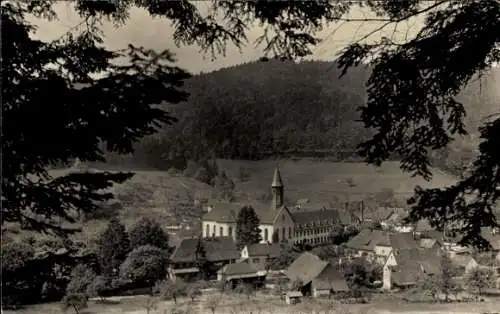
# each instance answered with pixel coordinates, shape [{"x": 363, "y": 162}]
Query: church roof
[
  {"x": 277, "y": 182},
  {"x": 228, "y": 212}
]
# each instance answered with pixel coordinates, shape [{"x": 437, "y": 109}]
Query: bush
[
  {"x": 144, "y": 266},
  {"x": 202, "y": 175},
  {"x": 76, "y": 301},
  {"x": 191, "y": 169},
  {"x": 99, "y": 286},
  {"x": 81, "y": 278},
  {"x": 170, "y": 290}
]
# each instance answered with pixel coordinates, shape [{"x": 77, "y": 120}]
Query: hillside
[{"x": 263, "y": 109}]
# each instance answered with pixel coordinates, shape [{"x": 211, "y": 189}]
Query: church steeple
[{"x": 277, "y": 188}]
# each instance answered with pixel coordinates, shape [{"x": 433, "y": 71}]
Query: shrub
[
  {"x": 76, "y": 301},
  {"x": 144, "y": 266},
  {"x": 81, "y": 278}
]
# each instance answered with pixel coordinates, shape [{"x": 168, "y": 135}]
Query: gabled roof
[
  {"x": 403, "y": 240},
  {"x": 241, "y": 268},
  {"x": 367, "y": 239},
  {"x": 414, "y": 264},
  {"x": 303, "y": 217},
  {"x": 331, "y": 278},
  {"x": 264, "y": 249},
  {"x": 305, "y": 268},
  {"x": 216, "y": 249},
  {"x": 461, "y": 260},
  {"x": 228, "y": 212}
]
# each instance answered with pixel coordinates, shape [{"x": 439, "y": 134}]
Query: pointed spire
[{"x": 277, "y": 183}]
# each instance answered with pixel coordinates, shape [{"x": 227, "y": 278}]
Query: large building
[{"x": 278, "y": 223}]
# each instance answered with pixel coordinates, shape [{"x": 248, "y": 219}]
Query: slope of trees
[{"x": 262, "y": 109}]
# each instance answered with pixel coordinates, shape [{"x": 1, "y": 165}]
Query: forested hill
[{"x": 261, "y": 109}]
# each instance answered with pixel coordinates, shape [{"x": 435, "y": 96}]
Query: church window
[
  {"x": 221, "y": 231},
  {"x": 266, "y": 235}
]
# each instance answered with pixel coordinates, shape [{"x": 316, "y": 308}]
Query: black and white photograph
[{"x": 250, "y": 157}]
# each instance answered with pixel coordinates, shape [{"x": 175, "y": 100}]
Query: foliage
[
  {"x": 224, "y": 186},
  {"x": 99, "y": 286},
  {"x": 151, "y": 303},
  {"x": 114, "y": 245},
  {"x": 81, "y": 278},
  {"x": 357, "y": 275},
  {"x": 144, "y": 265},
  {"x": 111, "y": 111},
  {"x": 445, "y": 279},
  {"x": 202, "y": 175},
  {"x": 244, "y": 288},
  {"x": 77, "y": 302},
  {"x": 148, "y": 232},
  {"x": 288, "y": 254},
  {"x": 194, "y": 290},
  {"x": 247, "y": 227},
  {"x": 15, "y": 255},
  {"x": 168, "y": 289},
  {"x": 411, "y": 112},
  {"x": 480, "y": 278}
]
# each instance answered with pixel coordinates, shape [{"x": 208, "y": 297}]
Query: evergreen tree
[
  {"x": 247, "y": 227},
  {"x": 114, "y": 245},
  {"x": 148, "y": 232},
  {"x": 201, "y": 261}
]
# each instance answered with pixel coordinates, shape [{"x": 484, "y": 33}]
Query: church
[{"x": 278, "y": 222}]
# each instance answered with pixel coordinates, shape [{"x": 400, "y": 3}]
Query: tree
[
  {"x": 445, "y": 280},
  {"x": 81, "y": 278},
  {"x": 287, "y": 255},
  {"x": 357, "y": 275},
  {"x": 168, "y": 289},
  {"x": 212, "y": 304},
  {"x": 478, "y": 279},
  {"x": 144, "y": 266},
  {"x": 114, "y": 245},
  {"x": 148, "y": 232},
  {"x": 244, "y": 288},
  {"x": 98, "y": 287},
  {"x": 411, "y": 112},
  {"x": 247, "y": 227},
  {"x": 88, "y": 114},
  {"x": 194, "y": 291},
  {"x": 76, "y": 301}
]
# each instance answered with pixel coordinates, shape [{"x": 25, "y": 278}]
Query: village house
[
  {"x": 408, "y": 267},
  {"x": 241, "y": 272},
  {"x": 375, "y": 245},
  {"x": 217, "y": 251},
  {"x": 278, "y": 223},
  {"x": 260, "y": 254},
  {"x": 315, "y": 276},
  {"x": 464, "y": 263}
]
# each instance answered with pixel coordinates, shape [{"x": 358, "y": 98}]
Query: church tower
[{"x": 277, "y": 188}]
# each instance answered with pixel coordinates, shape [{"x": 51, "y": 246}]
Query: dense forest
[{"x": 274, "y": 108}]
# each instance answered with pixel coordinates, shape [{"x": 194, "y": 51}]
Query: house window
[
  {"x": 283, "y": 233},
  {"x": 207, "y": 232},
  {"x": 255, "y": 260},
  {"x": 230, "y": 231},
  {"x": 221, "y": 231},
  {"x": 283, "y": 217},
  {"x": 266, "y": 235}
]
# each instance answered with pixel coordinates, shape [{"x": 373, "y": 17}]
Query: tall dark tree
[
  {"x": 411, "y": 103},
  {"x": 148, "y": 232},
  {"x": 114, "y": 245},
  {"x": 247, "y": 227}
]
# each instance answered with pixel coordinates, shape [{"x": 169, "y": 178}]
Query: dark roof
[
  {"x": 216, "y": 249},
  {"x": 303, "y": 217},
  {"x": 414, "y": 264},
  {"x": 277, "y": 183},
  {"x": 241, "y": 268},
  {"x": 403, "y": 240},
  {"x": 305, "y": 268},
  {"x": 331, "y": 278},
  {"x": 367, "y": 239},
  {"x": 228, "y": 212},
  {"x": 264, "y": 249}
]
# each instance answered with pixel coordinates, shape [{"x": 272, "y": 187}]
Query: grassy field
[
  {"x": 169, "y": 198},
  {"x": 232, "y": 304}
]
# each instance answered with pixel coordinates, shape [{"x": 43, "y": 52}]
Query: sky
[{"x": 143, "y": 30}]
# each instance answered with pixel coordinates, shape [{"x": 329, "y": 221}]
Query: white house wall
[{"x": 218, "y": 229}]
